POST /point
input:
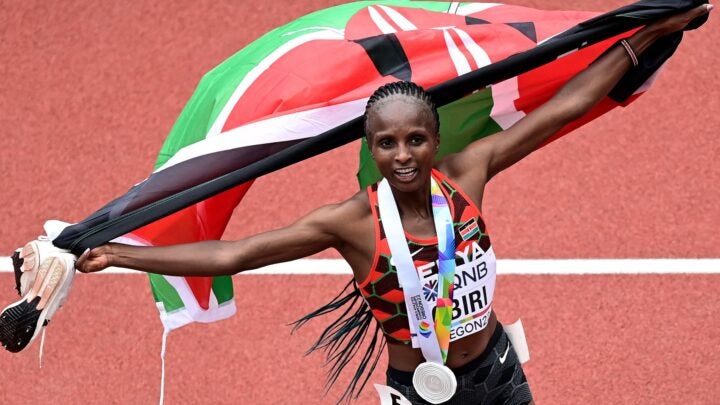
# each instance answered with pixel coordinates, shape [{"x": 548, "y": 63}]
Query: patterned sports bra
[{"x": 474, "y": 274}]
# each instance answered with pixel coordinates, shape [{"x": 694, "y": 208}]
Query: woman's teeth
[{"x": 405, "y": 172}]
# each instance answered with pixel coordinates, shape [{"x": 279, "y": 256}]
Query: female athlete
[{"x": 402, "y": 130}]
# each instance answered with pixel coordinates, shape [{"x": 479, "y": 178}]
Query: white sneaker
[
  {"x": 26, "y": 260},
  {"x": 31, "y": 255},
  {"x": 23, "y": 320}
]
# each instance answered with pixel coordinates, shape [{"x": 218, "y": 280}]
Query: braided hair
[{"x": 402, "y": 88}]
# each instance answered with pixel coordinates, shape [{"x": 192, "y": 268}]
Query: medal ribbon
[
  {"x": 435, "y": 341},
  {"x": 446, "y": 266}
]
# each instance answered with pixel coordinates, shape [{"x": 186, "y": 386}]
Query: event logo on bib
[
  {"x": 425, "y": 329},
  {"x": 430, "y": 290}
]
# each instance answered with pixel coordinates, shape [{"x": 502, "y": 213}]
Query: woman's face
[{"x": 403, "y": 141}]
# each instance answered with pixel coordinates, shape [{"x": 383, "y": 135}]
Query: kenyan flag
[{"x": 300, "y": 89}]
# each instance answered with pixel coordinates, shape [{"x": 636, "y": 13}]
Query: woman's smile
[{"x": 406, "y": 174}]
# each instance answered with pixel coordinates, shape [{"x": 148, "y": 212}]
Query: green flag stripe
[
  {"x": 222, "y": 288},
  {"x": 165, "y": 293}
]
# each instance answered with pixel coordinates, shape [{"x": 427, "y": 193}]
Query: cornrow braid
[{"x": 402, "y": 88}]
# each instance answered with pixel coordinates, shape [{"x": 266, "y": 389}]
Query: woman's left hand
[{"x": 678, "y": 22}]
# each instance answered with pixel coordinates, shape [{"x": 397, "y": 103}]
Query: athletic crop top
[{"x": 474, "y": 273}]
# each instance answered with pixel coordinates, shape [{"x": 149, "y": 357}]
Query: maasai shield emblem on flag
[{"x": 267, "y": 99}]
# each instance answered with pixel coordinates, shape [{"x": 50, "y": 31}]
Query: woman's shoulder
[
  {"x": 354, "y": 224},
  {"x": 350, "y": 211},
  {"x": 358, "y": 206},
  {"x": 447, "y": 168},
  {"x": 471, "y": 182}
]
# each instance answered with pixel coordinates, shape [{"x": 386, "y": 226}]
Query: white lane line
[
  {"x": 504, "y": 266},
  {"x": 609, "y": 266}
]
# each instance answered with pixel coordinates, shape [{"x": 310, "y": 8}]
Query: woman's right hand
[{"x": 93, "y": 260}]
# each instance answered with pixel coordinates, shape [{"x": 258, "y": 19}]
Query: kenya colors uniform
[
  {"x": 474, "y": 273},
  {"x": 494, "y": 377}
]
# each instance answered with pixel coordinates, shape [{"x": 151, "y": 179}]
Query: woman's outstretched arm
[
  {"x": 309, "y": 235},
  {"x": 578, "y": 96}
]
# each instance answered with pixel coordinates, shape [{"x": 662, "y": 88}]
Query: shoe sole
[{"x": 22, "y": 321}]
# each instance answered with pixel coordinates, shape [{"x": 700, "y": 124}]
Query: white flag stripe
[
  {"x": 181, "y": 317},
  {"x": 398, "y": 18},
  {"x": 340, "y": 32},
  {"x": 255, "y": 72},
  {"x": 288, "y": 127},
  {"x": 504, "y": 267},
  {"x": 481, "y": 57},
  {"x": 384, "y": 26},
  {"x": 504, "y": 95},
  {"x": 462, "y": 66}
]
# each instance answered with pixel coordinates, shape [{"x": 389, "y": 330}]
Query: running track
[{"x": 90, "y": 89}]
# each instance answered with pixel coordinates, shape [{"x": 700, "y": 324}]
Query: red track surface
[{"x": 89, "y": 91}]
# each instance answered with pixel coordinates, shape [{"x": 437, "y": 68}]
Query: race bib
[{"x": 473, "y": 290}]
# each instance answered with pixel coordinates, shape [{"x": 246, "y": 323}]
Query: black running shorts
[{"x": 485, "y": 380}]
